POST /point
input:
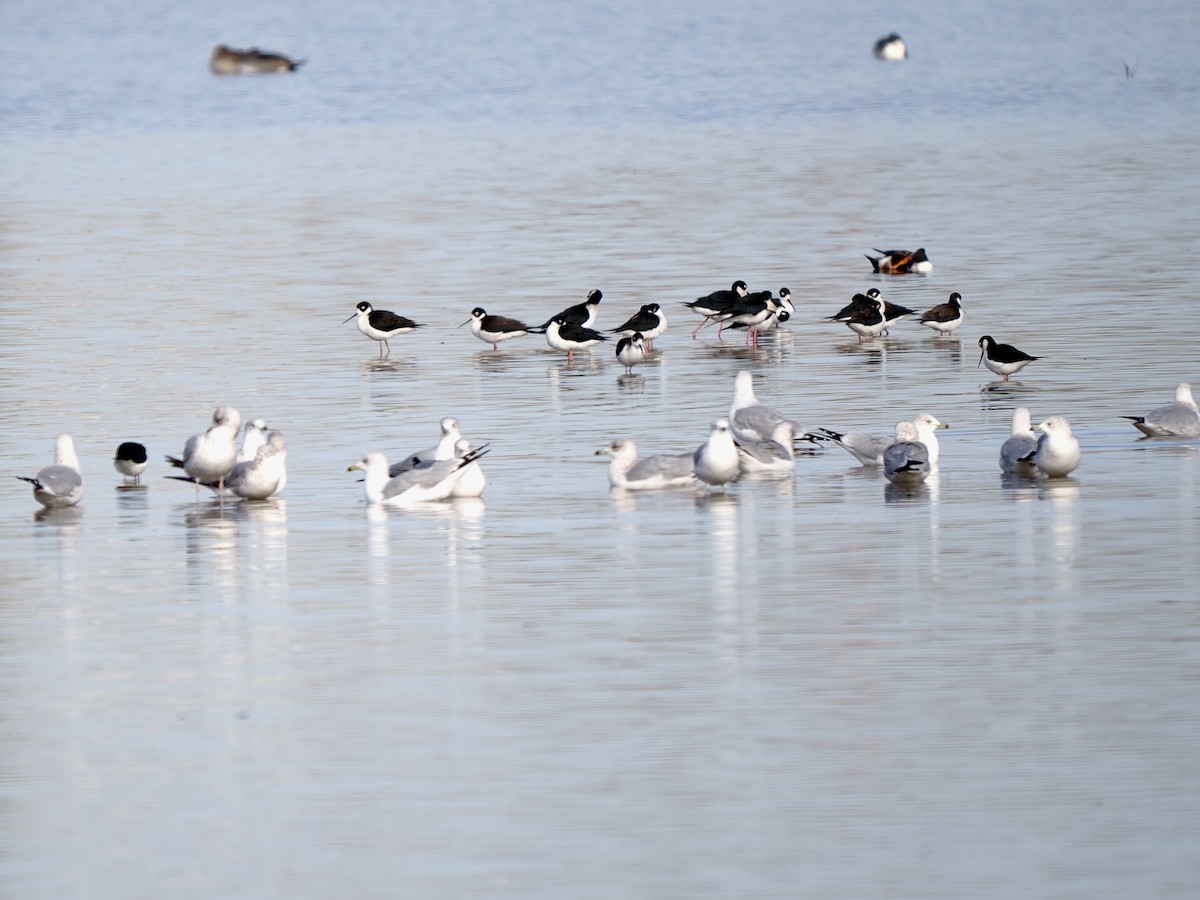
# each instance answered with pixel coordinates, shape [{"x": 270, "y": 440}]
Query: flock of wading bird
[{"x": 753, "y": 440}]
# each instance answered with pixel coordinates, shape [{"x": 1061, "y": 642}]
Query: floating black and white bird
[
  {"x": 210, "y": 456},
  {"x": 944, "y": 317},
  {"x": 906, "y": 460},
  {"x": 716, "y": 460},
  {"x": 631, "y": 351},
  {"x": 629, "y": 473},
  {"x": 1003, "y": 359},
  {"x": 418, "y": 485},
  {"x": 1058, "y": 452},
  {"x": 715, "y": 303},
  {"x": 494, "y": 329},
  {"x": 750, "y": 420},
  {"x": 131, "y": 461},
  {"x": 900, "y": 262},
  {"x": 562, "y": 335},
  {"x": 443, "y": 449},
  {"x": 1177, "y": 419},
  {"x": 379, "y": 325},
  {"x": 254, "y": 435},
  {"x": 583, "y": 314},
  {"x": 650, "y": 321},
  {"x": 61, "y": 484},
  {"x": 891, "y": 48},
  {"x": 1016, "y": 453}
]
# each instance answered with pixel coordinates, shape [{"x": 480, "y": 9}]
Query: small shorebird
[
  {"x": 379, "y": 325},
  {"x": 563, "y": 335},
  {"x": 944, "y": 317},
  {"x": 494, "y": 329},
  {"x": 131, "y": 461},
  {"x": 1003, "y": 359},
  {"x": 650, "y": 321},
  {"x": 891, "y": 48},
  {"x": 715, "y": 303},
  {"x": 631, "y": 351},
  {"x": 583, "y": 314}
]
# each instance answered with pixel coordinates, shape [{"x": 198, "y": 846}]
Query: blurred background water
[{"x": 816, "y": 687}]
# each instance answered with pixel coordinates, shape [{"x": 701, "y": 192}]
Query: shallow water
[{"x": 819, "y": 686}]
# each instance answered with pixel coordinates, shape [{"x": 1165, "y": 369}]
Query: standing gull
[
  {"x": 211, "y": 455},
  {"x": 626, "y": 471},
  {"x": 61, "y": 484},
  {"x": 716, "y": 460},
  {"x": 1058, "y": 452},
  {"x": 254, "y": 435},
  {"x": 1177, "y": 419},
  {"x": 749, "y": 419},
  {"x": 259, "y": 478},
  {"x": 1016, "y": 454},
  {"x": 906, "y": 460}
]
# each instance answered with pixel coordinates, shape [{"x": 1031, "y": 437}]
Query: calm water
[{"x": 818, "y": 687}]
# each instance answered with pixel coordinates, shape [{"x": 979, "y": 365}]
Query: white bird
[
  {"x": 927, "y": 427},
  {"x": 260, "y": 478},
  {"x": 1177, "y": 419},
  {"x": 420, "y": 485},
  {"x": 652, "y": 473},
  {"x": 865, "y": 447},
  {"x": 1016, "y": 454},
  {"x": 1058, "y": 452},
  {"x": 471, "y": 480},
  {"x": 61, "y": 484},
  {"x": 776, "y": 456},
  {"x": 254, "y": 435},
  {"x": 443, "y": 449},
  {"x": 210, "y": 456},
  {"x": 906, "y": 460},
  {"x": 890, "y": 48},
  {"x": 131, "y": 461},
  {"x": 716, "y": 460},
  {"x": 749, "y": 419}
]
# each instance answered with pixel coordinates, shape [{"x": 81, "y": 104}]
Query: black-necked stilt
[
  {"x": 715, "y": 303},
  {"x": 868, "y": 321},
  {"x": 774, "y": 319},
  {"x": 1177, "y": 419},
  {"x": 1003, "y": 359},
  {"x": 626, "y": 471},
  {"x": 785, "y": 301},
  {"x": 422, "y": 484},
  {"x": 900, "y": 262},
  {"x": 750, "y": 312},
  {"x": 631, "y": 351},
  {"x": 748, "y": 419},
  {"x": 563, "y": 335},
  {"x": 906, "y": 460},
  {"x": 131, "y": 461},
  {"x": 650, "y": 320},
  {"x": 1058, "y": 452},
  {"x": 891, "y": 48},
  {"x": 494, "y": 329},
  {"x": 582, "y": 314},
  {"x": 944, "y": 317},
  {"x": 210, "y": 456},
  {"x": 227, "y": 61},
  {"x": 61, "y": 484},
  {"x": 1016, "y": 453},
  {"x": 379, "y": 325},
  {"x": 716, "y": 460}
]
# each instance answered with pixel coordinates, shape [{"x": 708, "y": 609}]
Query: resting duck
[
  {"x": 227, "y": 61},
  {"x": 900, "y": 262}
]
